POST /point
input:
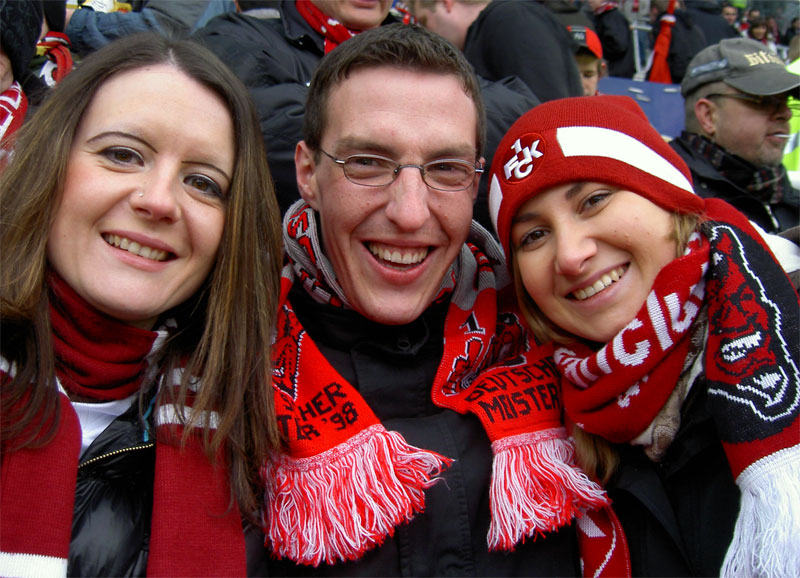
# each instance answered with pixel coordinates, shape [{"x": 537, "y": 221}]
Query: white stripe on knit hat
[
  {"x": 595, "y": 141},
  {"x": 16, "y": 565}
]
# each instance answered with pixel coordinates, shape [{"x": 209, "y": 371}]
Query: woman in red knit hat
[{"x": 676, "y": 337}]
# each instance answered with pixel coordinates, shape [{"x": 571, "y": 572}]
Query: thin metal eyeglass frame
[{"x": 398, "y": 167}]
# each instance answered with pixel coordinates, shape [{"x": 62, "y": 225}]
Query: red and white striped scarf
[
  {"x": 343, "y": 482},
  {"x": 13, "y": 106},
  {"x": 193, "y": 531},
  {"x": 751, "y": 367}
]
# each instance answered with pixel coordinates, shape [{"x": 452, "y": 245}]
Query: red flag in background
[{"x": 659, "y": 72}]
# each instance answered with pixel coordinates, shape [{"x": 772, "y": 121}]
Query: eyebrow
[
  {"x": 119, "y": 133},
  {"x": 573, "y": 191},
  {"x": 356, "y": 143}
]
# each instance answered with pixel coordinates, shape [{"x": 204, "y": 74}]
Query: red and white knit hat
[{"x": 605, "y": 139}]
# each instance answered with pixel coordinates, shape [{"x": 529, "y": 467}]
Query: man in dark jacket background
[
  {"x": 502, "y": 38},
  {"x": 616, "y": 36},
  {"x": 707, "y": 14},
  {"x": 275, "y": 53},
  {"x": 737, "y": 124},
  {"x": 687, "y": 39}
]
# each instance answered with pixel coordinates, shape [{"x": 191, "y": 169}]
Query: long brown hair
[{"x": 225, "y": 328}]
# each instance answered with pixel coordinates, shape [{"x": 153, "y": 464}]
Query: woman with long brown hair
[{"x": 140, "y": 261}]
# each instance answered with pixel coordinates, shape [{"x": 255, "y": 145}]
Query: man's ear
[
  {"x": 706, "y": 112},
  {"x": 306, "y": 171}
]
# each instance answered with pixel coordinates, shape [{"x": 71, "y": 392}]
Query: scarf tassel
[
  {"x": 535, "y": 487},
  {"x": 337, "y": 505},
  {"x": 767, "y": 529}
]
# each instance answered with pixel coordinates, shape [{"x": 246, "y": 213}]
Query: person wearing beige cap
[{"x": 737, "y": 125}]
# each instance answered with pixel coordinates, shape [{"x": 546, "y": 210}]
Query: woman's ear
[{"x": 306, "y": 170}]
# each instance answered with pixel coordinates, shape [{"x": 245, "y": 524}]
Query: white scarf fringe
[{"x": 766, "y": 540}]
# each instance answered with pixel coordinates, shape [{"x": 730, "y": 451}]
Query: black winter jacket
[
  {"x": 708, "y": 182},
  {"x": 708, "y": 16},
  {"x": 524, "y": 39},
  {"x": 114, "y": 501},
  {"x": 615, "y": 35},
  {"x": 393, "y": 369},
  {"x": 276, "y": 57},
  {"x": 678, "y": 514},
  {"x": 687, "y": 40}
]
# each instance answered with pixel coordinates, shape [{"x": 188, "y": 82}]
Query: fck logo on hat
[{"x": 522, "y": 163}]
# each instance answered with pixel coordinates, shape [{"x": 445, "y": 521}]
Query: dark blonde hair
[{"x": 225, "y": 329}]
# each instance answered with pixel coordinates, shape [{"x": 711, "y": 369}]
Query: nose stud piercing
[{"x": 141, "y": 194}]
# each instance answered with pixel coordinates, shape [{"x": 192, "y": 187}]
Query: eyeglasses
[
  {"x": 377, "y": 171},
  {"x": 771, "y": 103}
]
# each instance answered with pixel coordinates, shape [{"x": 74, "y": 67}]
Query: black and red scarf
[
  {"x": 343, "y": 482},
  {"x": 751, "y": 370},
  {"x": 193, "y": 532}
]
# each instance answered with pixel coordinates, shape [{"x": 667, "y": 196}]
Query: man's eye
[{"x": 365, "y": 162}]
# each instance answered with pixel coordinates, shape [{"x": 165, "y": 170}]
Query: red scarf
[
  {"x": 751, "y": 368},
  {"x": 334, "y": 31},
  {"x": 659, "y": 71},
  {"x": 193, "y": 533},
  {"x": 343, "y": 482},
  {"x": 13, "y": 106}
]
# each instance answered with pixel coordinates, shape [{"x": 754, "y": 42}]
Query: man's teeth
[
  {"x": 602, "y": 283},
  {"x": 135, "y": 248},
  {"x": 395, "y": 256}
]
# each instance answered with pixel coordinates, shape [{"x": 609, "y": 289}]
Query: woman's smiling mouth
[
  {"x": 603, "y": 283},
  {"x": 135, "y": 248}
]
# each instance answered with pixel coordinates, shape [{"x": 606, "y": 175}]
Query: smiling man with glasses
[
  {"x": 737, "y": 113},
  {"x": 394, "y": 303}
]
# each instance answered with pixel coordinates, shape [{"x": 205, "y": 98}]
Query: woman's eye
[
  {"x": 596, "y": 199},
  {"x": 122, "y": 155},
  {"x": 204, "y": 184},
  {"x": 532, "y": 239}
]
